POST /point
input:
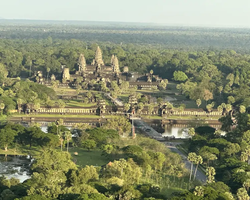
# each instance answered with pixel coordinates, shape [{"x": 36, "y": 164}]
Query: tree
[
  {"x": 210, "y": 172},
  {"x": 246, "y": 184},
  {"x": 232, "y": 148},
  {"x": 198, "y": 160},
  {"x": 48, "y": 70},
  {"x": 3, "y": 74},
  {"x": 19, "y": 104},
  {"x": 191, "y": 132},
  {"x": 220, "y": 108},
  {"x": 198, "y": 102},
  {"x": 242, "y": 194},
  {"x": 159, "y": 100},
  {"x": 162, "y": 85},
  {"x": 7, "y": 136},
  {"x": 126, "y": 107},
  {"x": 89, "y": 96},
  {"x": 121, "y": 124},
  {"x": 230, "y": 99},
  {"x": 61, "y": 138},
  {"x": 51, "y": 159},
  {"x": 220, "y": 88},
  {"x": 191, "y": 158},
  {"x": 242, "y": 109},
  {"x": 180, "y": 76},
  {"x": 61, "y": 103},
  {"x": 49, "y": 173},
  {"x": 207, "y": 95},
  {"x": 150, "y": 109},
  {"x": 228, "y": 107},
  {"x": 199, "y": 191},
  {"x": 2, "y": 106},
  {"x": 124, "y": 86},
  {"x": 89, "y": 144},
  {"x": 68, "y": 137}
]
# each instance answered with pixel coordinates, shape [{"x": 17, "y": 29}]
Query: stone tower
[
  {"x": 98, "y": 56},
  {"x": 66, "y": 75},
  {"x": 112, "y": 60},
  {"x": 115, "y": 66},
  {"x": 81, "y": 64}
]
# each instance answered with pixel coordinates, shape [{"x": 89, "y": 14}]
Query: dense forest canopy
[{"x": 142, "y": 34}]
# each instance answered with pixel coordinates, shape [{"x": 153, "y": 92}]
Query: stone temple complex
[{"x": 99, "y": 71}]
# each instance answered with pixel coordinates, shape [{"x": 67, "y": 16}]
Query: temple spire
[
  {"x": 98, "y": 56},
  {"x": 112, "y": 60},
  {"x": 115, "y": 64},
  {"x": 82, "y": 63}
]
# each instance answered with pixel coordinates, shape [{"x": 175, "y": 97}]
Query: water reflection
[
  {"x": 176, "y": 130},
  {"x": 15, "y": 167}
]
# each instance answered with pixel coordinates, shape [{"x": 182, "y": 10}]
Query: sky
[{"x": 215, "y": 13}]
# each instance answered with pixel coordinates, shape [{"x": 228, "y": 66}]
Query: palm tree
[
  {"x": 126, "y": 107},
  {"x": 68, "y": 137},
  {"x": 199, "y": 191},
  {"x": 48, "y": 70},
  {"x": 228, "y": 107},
  {"x": 210, "y": 172},
  {"x": 242, "y": 194},
  {"x": 244, "y": 156},
  {"x": 197, "y": 161},
  {"x": 60, "y": 135},
  {"x": 2, "y": 106},
  {"x": 242, "y": 109},
  {"x": 58, "y": 123},
  {"x": 246, "y": 184},
  {"x": 198, "y": 102},
  {"x": 191, "y": 132},
  {"x": 191, "y": 158}
]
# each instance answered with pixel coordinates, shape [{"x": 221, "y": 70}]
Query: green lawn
[
  {"x": 86, "y": 157},
  {"x": 124, "y": 98},
  {"x": 59, "y": 116},
  {"x": 78, "y": 103}
]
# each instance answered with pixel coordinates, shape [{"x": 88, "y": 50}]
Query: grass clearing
[
  {"x": 85, "y": 157},
  {"x": 78, "y": 103}
]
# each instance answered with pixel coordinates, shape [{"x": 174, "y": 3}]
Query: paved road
[
  {"x": 158, "y": 136},
  {"x": 116, "y": 101}
]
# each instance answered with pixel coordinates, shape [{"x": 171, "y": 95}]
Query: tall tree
[
  {"x": 191, "y": 158},
  {"x": 242, "y": 194},
  {"x": 198, "y": 102},
  {"x": 68, "y": 137},
  {"x": 198, "y": 160},
  {"x": 210, "y": 172}
]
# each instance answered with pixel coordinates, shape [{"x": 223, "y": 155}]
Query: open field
[
  {"x": 85, "y": 157},
  {"x": 78, "y": 103}
]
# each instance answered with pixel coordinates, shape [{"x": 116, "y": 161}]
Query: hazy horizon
[{"x": 206, "y": 13}]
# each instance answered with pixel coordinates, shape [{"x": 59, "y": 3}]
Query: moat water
[{"x": 15, "y": 167}]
